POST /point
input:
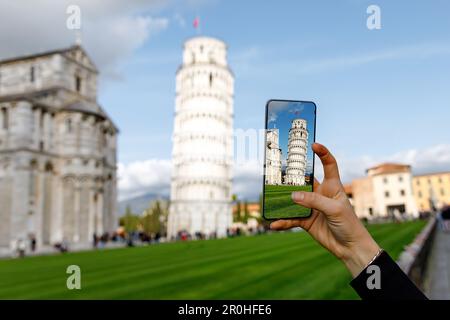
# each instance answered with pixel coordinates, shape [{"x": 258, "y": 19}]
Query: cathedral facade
[
  {"x": 297, "y": 151},
  {"x": 273, "y": 157},
  {"x": 202, "y": 141},
  {"x": 57, "y": 152}
]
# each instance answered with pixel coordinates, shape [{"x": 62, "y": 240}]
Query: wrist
[{"x": 360, "y": 255}]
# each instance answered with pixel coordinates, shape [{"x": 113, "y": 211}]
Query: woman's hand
[{"x": 333, "y": 222}]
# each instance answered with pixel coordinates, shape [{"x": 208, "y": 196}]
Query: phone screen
[{"x": 289, "y": 158}]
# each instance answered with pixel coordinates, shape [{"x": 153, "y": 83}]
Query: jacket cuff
[{"x": 387, "y": 282}]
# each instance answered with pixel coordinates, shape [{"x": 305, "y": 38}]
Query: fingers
[
  {"x": 317, "y": 201},
  {"x": 329, "y": 163},
  {"x": 304, "y": 223},
  {"x": 285, "y": 224}
]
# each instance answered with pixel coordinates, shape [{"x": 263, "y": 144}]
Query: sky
[
  {"x": 381, "y": 95},
  {"x": 280, "y": 116}
]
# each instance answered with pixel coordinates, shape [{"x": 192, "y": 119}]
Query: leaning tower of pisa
[
  {"x": 202, "y": 141},
  {"x": 296, "y": 159}
]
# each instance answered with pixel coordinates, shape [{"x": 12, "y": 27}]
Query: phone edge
[{"x": 264, "y": 165}]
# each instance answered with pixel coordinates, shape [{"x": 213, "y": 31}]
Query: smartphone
[{"x": 289, "y": 158}]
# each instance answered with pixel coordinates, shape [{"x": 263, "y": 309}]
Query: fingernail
[{"x": 298, "y": 196}]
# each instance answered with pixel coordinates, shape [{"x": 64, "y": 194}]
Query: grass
[
  {"x": 278, "y": 202},
  {"x": 287, "y": 265}
]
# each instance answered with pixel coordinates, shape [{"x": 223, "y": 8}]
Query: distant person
[
  {"x": 33, "y": 243},
  {"x": 336, "y": 227},
  {"x": 64, "y": 246},
  {"x": 444, "y": 219},
  {"x": 94, "y": 240},
  {"x": 21, "y": 247},
  {"x": 130, "y": 242}
]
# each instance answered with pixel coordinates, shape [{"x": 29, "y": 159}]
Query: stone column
[
  {"x": 39, "y": 202},
  {"x": 57, "y": 209},
  {"x": 20, "y": 207},
  {"x": 76, "y": 233},
  {"x": 22, "y": 125},
  {"x": 100, "y": 227},
  {"x": 92, "y": 210}
]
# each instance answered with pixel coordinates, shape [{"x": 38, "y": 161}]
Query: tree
[
  {"x": 129, "y": 221},
  {"x": 237, "y": 217},
  {"x": 246, "y": 213},
  {"x": 155, "y": 217}
]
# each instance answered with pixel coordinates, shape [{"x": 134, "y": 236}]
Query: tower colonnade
[{"x": 202, "y": 141}]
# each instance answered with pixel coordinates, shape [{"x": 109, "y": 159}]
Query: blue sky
[
  {"x": 381, "y": 95},
  {"x": 280, "y": 116},
  {"x": 277, "y": 50},
  {"x": 377, "y": 91}
]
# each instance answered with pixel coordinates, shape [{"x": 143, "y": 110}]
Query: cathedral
[
  {"x": 273, "y": 158},
  {"x": 57, "y": 152},
  {"x": 202, "y": 141}
]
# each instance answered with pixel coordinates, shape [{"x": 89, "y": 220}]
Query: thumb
[{"x": 317, "y": 201}]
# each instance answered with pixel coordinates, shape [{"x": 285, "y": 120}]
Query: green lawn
[
  {"x": 278, "y": 202},
  {"x": 285, "y": 265}
]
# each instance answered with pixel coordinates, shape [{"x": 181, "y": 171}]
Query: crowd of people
[
  {"x": 184, "y": 235},
  {"x": 135, "y": 238}
]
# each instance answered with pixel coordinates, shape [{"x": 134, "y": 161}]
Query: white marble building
[
  {"x": 202, "y": 141},
  {"x": 57, "y": 152},
  {"x": 273, "y": 158},
  {"x": 297, "y": 152}
]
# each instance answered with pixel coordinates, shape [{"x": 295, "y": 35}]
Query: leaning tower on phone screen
[
  {"x": 296, "y": 158},
  {"x": 202, "y": 141}
]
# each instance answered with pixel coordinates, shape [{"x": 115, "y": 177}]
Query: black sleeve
[{"x": 393, "y": 283}]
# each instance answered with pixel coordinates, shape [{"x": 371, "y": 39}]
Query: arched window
[
  {"x": 210, "y": 79},
  {"x": 32, "y": 74},
  {"x": 69, "y": 125},
  {"x": 78, "y": 83},
  {"x": 5, "y": 119},
  {"x": 48, "y": 167}
]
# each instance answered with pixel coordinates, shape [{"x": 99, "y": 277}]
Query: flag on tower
[{"x": 196, "y": 22}]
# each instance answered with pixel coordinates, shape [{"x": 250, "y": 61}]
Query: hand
[{"x": 333, "y": 222}]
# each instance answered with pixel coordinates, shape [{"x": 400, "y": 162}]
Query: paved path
[{"x": 437, "y": 280}]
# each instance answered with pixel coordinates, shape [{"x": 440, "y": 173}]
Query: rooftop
[{"x": 387, "y": 168}]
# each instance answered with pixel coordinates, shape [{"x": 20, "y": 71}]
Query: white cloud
[
  {"x": 427, "y": 160},
  {"x": 153, "y": 176},
  {"x": 417, "y": 51},
  {"x": 141, "y": 177},
  {"x": 253, "y": 60},
  {"x": 248, "y": 179},
  {"x": 432, "y": 159},
  {"x": 110, "y": 30}
]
